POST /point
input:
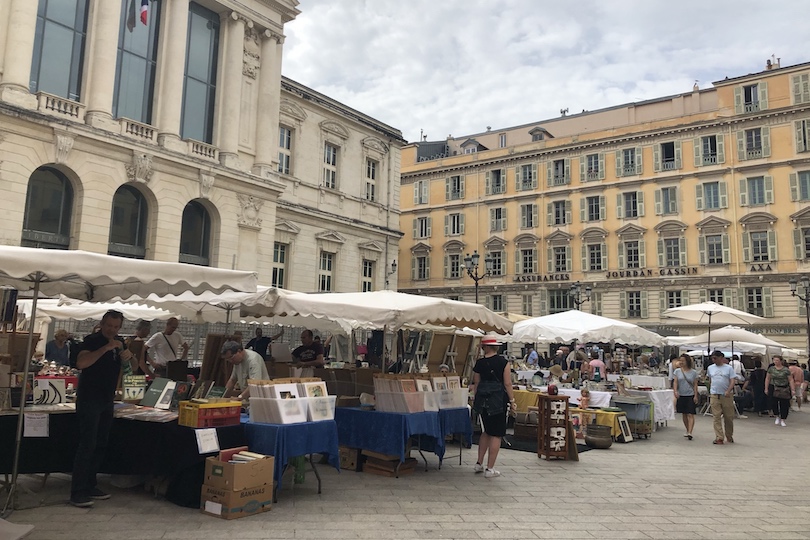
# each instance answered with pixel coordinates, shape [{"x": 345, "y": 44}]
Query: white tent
[
  {"x": 575, "y": 325},
  {"x": 732, "y": 337},
  {"x": 381, "y": 309}
]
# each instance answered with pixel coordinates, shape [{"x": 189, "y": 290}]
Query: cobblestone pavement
[{"x": 664, "y": 487}]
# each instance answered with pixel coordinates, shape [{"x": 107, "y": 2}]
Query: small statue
[{"x": 585, "y": 398}]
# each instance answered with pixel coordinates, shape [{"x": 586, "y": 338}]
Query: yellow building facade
[{"x": 698, "y": 196}]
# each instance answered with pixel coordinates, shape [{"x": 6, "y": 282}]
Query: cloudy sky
[{"x": 458, "y": 66}]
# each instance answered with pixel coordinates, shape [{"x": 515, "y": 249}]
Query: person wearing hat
[
  {"x": 492, "y": 384},
  {"x": 444, "y": 369}
]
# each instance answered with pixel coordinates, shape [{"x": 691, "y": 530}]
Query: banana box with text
[{"x": 228, "y": 504}]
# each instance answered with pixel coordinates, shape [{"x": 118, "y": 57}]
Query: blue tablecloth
[
  {"x": 285, "y": 441},
  {"x": 456, "y": 421},
  {"x": 385, "y": 432}
]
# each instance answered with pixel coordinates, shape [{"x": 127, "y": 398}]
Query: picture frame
[
  {"x": 315, "y": 389},
  {"x": 624, "y": 425},
  {"x": 423, "y": 385},
  {"x": 439, "y": 383},
  {"x": 577, "y": 422},
  {"x": 285, "y": 391},
  {"x": 453, "y": 382},
  {"x": 165, "y": 399},
  {"x": 408, "y": 385}
]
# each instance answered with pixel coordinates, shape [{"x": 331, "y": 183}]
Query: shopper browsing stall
[
  {"x": 492, "y": 384},
  {"x": 163, "y": 348},
  {"x": 246, "y": 365},
  {"x": 58, "y": 350},
  {"x": 99, "y": 359}
]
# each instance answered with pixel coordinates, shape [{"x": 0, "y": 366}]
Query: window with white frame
[
  {"x": 559, "y": 300},
  {"x": 755, "y": 301},
  {"x": 711, "y": 196},
  {"x": 560, "y": 174},
  {"x": 628, "y": 162},
  {"x": 453, "y": 266},
  {"x": 667, "y": 156},
  {"x": 496, "y": 181},
  {"x": 709, "y": 150},
  {"x": 422, "y": 227},
  {"x": 502, "y": 140},
  {"x": 592, "y": 167},
  {"x": 454, "y": 188},
  {"x": 674, "y": 299},
  {"x": 526, "y": 177},
  {"x": 715, "y": 295},
  {"x": 368, "y": 276},
  {"x": 714, "y": 249},
  {"x": 753, "y": 143},
  {"x": 632, "y": 253},
  {"x": 802, "y": 129},
  {"x": 630, "y": 205},
  {"x": 559, "y": 212},
  {"x": 527, "y": 305},
  {"x": 421, "y": 192},
  {"x": 800, "y": 186},
  {"x": 326, "y": 271},
  {"x": 803, "y": 243},
  {"x": 497, "y": 219},
  {"x": 285, "y": 140},
  {"x": 634, "y": 304},
  {"x": 595, "y": 255},
  {"x": 751, "y": 98},
  {"x": 756, "y": 191},
  {"x": 528, "y": 260},
  {"x": 561, "y": 258},
  {"x": 279, "y": 267},
  {"x": 372, "y": 166},
  {"x": 330, "y": 164},
  {"x": 528, "y": 216},
  {"x": 672, "y": 252},
  {"x": 759, "y": 244},
  {"x": 454, "y": 224},
  {"x": 498, "y": 262},
  {"x": 592, "y": 208}
]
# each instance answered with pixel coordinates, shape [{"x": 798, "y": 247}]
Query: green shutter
[
  {"x": 738, "y": 100},
  {"x": 518, "y": 182},
  {"x": 518, "y": 262},
  {"x": 488, "y": 184},
  {"x": 644, "y": 310},
  {"x": 549, "y": 214},
  {"x": 767, "y": 301},
  {"x": 535, "y": 216},
  {"x": 697, "y": 145},
  {"x": 685, "y": 297},
  {"x": 596, "y": 303},
  {"x": 416, "y": 190},
  {"x": 746, "y": 246},
  {"x": 493, "y": 224},
  {"x": 726, "y": 244},
  {"x": 769, "y": 190},
  {"x": 427, "y": 265},
  {"x": 604, "y": 257},
  {"x": 567, "y": 170},
  {"x": 763, "y": 96},
  {"x": 657, "y": 158},
  {"x": 461, "y": 183},
  {"x": 801, "y": 139},
  {"x": 550, "y": 260},
  {"x": 542, "y": 294},
  {"x": 741, "y": 155},
  {"x": 524, "y": 215},
  {"x": 601, "y": 166},
  {"x": 699, "y": 196},
  {"x": 619, "y": 164},
  {"x": 662, "y": 302},
  {"x": 448, "y": 192},
  {"x": 723, "y": 190},
  {"x": 569, "y": 259},
  {"x": 773, "y": 254},
  {"x": 582, "y": 206},
  {"x": 642, "y": 253},
  {"x": 413, "y": 268},
  {"x": 661, "y": 259},
  {"x": 797, "y": 89},
  {"x": 678, "y": 155},
  {"x": 621, "y": 258},
  {"x": 730, "y": 297},
  {"x": 743, "y": 192},
  {"x": 461, "y": 223},
  {"x": 416, "y": 227},
  {"x": 659, "y": 207},
  {"x": 429, "y": 227},
  {"x": 583, "y": 171},
  {"x": 535, "y": 261},
  {"x": 569, "y": 218},
  {"x": 446, "y": 266},
  {"x": 640, "y": 203},
  {"x": 504, "y": 223},
  {"x": 447, "y": 225},
  {"x": 702, "y": 250},
  {"x": 602, "y": 208},
  {"x": 766, "y": 141},
  {"x": 622, "y": 305},
  {"x": 682, "y": 250},
  {"x": 585, "y": 266},
  {"x": 639, "y": 167},
  {"x": 550, "y": 173},
  {"x": 620, "y": 205},
  {"x": 721, "y": 148},
  {"x": 798, "y": 245},
  {"x": 534, "y": 175}
]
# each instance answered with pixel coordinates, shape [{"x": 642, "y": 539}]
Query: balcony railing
[
  {"x": 203, "y": 150},
  {"x": 59, "y": 106},
  {"x": 669, "y": 165},
  {"x": 137, "y": 130},
  {"x": 629, "y": 169},
  {"x": 592, "y": 174},
  {"x": 751, "y": 107},
  {"x": 560, "y": 179},
  {"x": 710, "y": 159},
  {"x": 753, "y": 153}
]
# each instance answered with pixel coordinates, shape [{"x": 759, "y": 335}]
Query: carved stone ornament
[
  {"x": 291, "y": 109},
  {"x": 372, "y": 143},
  {"x": 141, "y": 168},
  {"x": 251, "y": 60},
  {"x": 206, "y": 183},
  {"x": 63, "y": 144},
  {"x": 249, "y": 213}
]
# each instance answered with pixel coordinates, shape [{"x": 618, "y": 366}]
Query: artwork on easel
[{"x": 626, "y": 435}]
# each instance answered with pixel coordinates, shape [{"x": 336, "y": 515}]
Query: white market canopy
[
  {"x": 575, "y": 325},
  {"x": 712, "y": 312},
  {"x": 65, "y": 308},
  {"x": 732, "y": 335},
  {"x": 381, "y": 309}
]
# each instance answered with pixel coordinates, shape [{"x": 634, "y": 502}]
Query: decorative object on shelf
[{"x": 553, "y": 430}]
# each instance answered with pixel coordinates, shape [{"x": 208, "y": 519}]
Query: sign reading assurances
[{"x": 549, "y": 277}]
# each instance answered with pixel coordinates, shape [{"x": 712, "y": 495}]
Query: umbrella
[
  {"x": 92, "y": 276},
  {"x": 575, "y": 325},
  {"x": 708, "y": 311}
]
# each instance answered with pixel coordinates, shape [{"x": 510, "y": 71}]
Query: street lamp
[
  {"x": 575, "y": 292},
  {"x": 805, "y": 283},
  {"x": 471, "y": 266},
  {"x": 389, "y": 273}
]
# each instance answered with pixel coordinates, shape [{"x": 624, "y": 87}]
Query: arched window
[
  {"x": 59, "y": 48},
  {"x": 48, "y": 210},
  {"x": 195, "y": 238},
  {"x": 128, "y": 224}
]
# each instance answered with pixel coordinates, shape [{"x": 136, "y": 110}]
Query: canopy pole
[{"x": 12, "y": 489}]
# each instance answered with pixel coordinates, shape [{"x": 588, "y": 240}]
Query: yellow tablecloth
[
  {"x": 603, "y": 418},
  {"x": 525, "y": 399}
]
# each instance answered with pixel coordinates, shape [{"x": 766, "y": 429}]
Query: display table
[
  {"x": 603, "y": 418},
  {"x": 658, "y": 383},
  {"x": 286, "y": 441},
  {"x": 525, "y": 398},
  {"x": 663, "y": 400},
  {"x": 386, "y": 432},
  {"x": 528, "y": 374},
  {"x": 454, "y": 422}
]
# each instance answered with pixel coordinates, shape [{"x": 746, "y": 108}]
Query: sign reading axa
[{"x": 661, "y": 272}]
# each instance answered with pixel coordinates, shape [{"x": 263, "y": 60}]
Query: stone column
[
  {"x": 231, "y": 101},
  {"x": 102, "y": 65},
  {"x": 170, "y": 87},
  {"x": 19, "y": 51},
  {"x": 269, "y": 99}
]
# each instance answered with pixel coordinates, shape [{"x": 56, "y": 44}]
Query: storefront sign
[
  {"x": 661, "y": 272},
  {"x": 760, "y": 267},
  {"x": 784, "y": 330},
  {"x": 550, "y": 277}
]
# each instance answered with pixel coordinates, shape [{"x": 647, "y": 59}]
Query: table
[
  {"x": 663, "y": 400},
  {"x": 285, "y": 441},
  {"x": 642, "y": 380},
  {"x": 525, "y": 399},
  {"x": 455, "y": 422},
  {"x": 603, "y": 418},
  {"x": 528, "y": 374},
  {"x": 387, "y": 432}
]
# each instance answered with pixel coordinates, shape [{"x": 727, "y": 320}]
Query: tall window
[
  {"x": 528, "y": 216},
  {"x": 559, "y": 300},
  {"x": 496, "y": 302},
  {"x": 711, "y": 195},
  {"x": 421, "y": 267},
  {"x": 668, "y": 159},
  {"x": 632, "y": 251},
  {"x": 496, "y": 181},
  {"x": 672, "y": 251},
  {"x": 674, "y": 299},
  {"x": 368, "y": 276},
  {"x": 804, "y": 247},
  {"x": 528, "y": 261},
  {"x": 128, "y": 224},
  {"x": 592, "y": 208},
  {"x": 560, "y": 259},
  {"x": 454, "y": 188},
  {"x": 278, "y": 278},
  {"x": 753, "y": 143},
  {"x": 666, "y": 201},
  {"x": 631, "y": 204},
  {"x": 558, "y": 213},
  {"x": 453, "y": 224},
  {"x": 634, "y": 304},
  {"x": 325, "y": 271},
  {"x": 497, "y": 219},
  {"x": 48, "y": 210},
  {"x": 421, "y": 227},
  {"x": 756, "y": 190},
  {"x": 559, "y": 177},
  {"x": 715, "y": 295},
  {"x": 136, "y": 65},
  {"x": 195, "y": 238},
  {"x": 629, "y": 161},
  {"x": 593, "y": 168},
  {"x": 498, "y": 264},
  {"x": 372, "y": 167},
  {"x": 502, "y": 140},
  {"x": 709, "y": 147},
  {"x": 714, "y": 249},
  {"x": 526, "y": 177},
  {"x": 453, "y": 270},
  {"x": 751, "y": 98},
  {"x": 759, "y": 246},
  {"x": 594, "y": 257},
  {"x": 330, "y": 162},
  {"x": 420, "y": 192},
  {"x": 59, "y": 48},
  {"x": 802, "y": 188},
  {"x": 526, "y": 304},
  {"x": 754, "y": 301},
  {"x": 200, "y": 81},
  {"x": 285, "y": 136}
]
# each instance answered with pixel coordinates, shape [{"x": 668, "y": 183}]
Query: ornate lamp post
[
  {"x": 471, "y": 266},
  {"x": 804, "y": 281},
  {"x": 575, "y": 292},
  {"x": 389, "y": 273}
]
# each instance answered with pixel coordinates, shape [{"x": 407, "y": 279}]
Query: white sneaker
[
  {"x": 776, "y": 422},
  {"x": 491, "y": 473},
  {"x": 478, "y": 468},
  {"x": 782, "y": 423}
]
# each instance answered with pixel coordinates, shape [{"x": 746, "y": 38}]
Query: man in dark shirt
[
  {"x": 310, "y": 353},
  {"x": 260, "y": 343},
  {"x": 99, "y": 359}
]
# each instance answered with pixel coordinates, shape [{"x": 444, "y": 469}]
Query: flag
[
  {"x": 144, "y": 11},
  {"x": 132, "y": 20}
]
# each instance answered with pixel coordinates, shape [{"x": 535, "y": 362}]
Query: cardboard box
[
  {"x": 349, "y": 458},
  {"x": 228, "y": 504},
  {"x": 239, "y": 476}
]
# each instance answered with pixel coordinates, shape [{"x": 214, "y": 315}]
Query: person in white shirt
[
  {"x": 164, "y": 347},
  {"x": 246, "y": 365}
]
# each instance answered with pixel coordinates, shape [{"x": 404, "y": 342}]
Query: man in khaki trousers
[{"x": 722, "y": 378}]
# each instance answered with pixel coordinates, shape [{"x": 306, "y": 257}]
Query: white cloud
[{"x": 457, "y": 66}]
